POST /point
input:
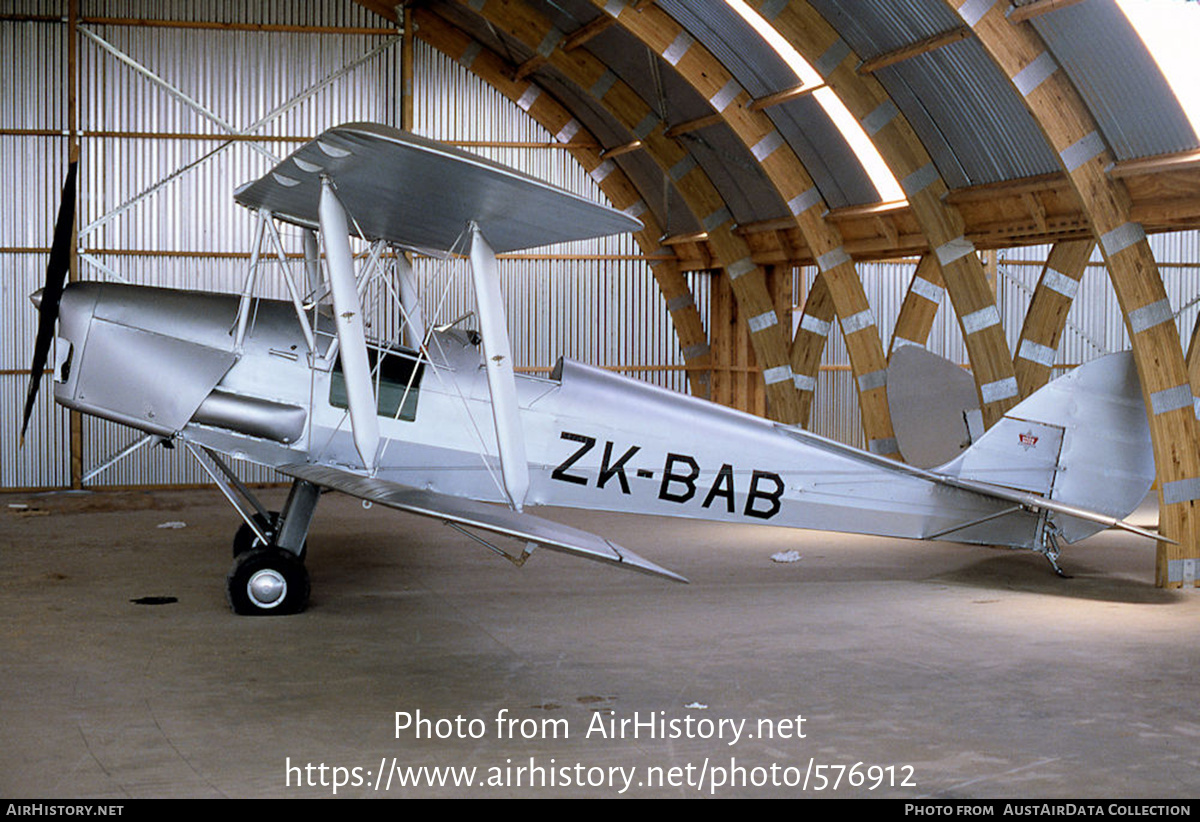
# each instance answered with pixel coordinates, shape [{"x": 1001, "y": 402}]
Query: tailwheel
[
  {"x": 267, "y": 582},
  {"x": 1050, "y": 548}
]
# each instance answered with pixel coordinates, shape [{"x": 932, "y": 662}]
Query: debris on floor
[
  {"x": 172, "y": 524},
  {"x": 21, "y": 509},
  {"x": 786, "y": 556}
]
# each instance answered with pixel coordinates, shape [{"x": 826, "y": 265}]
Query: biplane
[{"x": 433, "y": 419}]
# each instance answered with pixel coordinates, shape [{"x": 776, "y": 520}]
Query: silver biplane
[{"x": 436, "y": 422}]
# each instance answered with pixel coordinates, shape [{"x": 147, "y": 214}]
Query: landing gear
[
  {"x": 1049, "y": 545},
  {"x": 246, "y": 539},
  {"x": 267, "y": 581},
  {"x": 268, "y": 575}
]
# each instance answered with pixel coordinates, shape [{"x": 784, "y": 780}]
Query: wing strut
[
  {"x": 312, "y": 265},
  {"x": 410, "y": 303},
  {"x": 497, "y": 355},
  {"x": 352, "y": 340}
]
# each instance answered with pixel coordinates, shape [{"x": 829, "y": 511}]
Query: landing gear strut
[
  {"x": 268, "y": 575},
  {"x": 1049, "y": 545},
  {"x": 246, "y": 539}
]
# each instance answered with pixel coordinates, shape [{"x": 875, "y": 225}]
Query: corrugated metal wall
[
  {"x": 169, "y": 196},
  {"x": 34, "y": 59},
  {"x": 150, "y": 182},
  {"x": 604, "y": 311}
]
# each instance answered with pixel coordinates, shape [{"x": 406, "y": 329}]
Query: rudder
[{"x": 1082, "y": 440}]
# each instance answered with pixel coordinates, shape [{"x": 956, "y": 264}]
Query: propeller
[{"x": 52, "y": 290}]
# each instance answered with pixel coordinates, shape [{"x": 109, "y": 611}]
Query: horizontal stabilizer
[
  {"x": 1022, "y": 499},
  {"x": 420, "y": 194},
  {"x": 1035, "y": 502},
  {"x": 471, "y": 514}
]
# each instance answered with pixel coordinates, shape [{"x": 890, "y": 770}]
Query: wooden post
[
  {"x": 406, "y": 71},
  {"x": 721, "y": 331},
  {"x": 991, "y": 270},
  {"x": 75, "y": 434}
]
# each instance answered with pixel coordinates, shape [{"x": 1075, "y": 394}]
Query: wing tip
[{"x": 634, "y": 562}]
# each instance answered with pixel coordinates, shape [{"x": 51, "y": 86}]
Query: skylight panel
[
  {"x": 845, "y": 122},
  {"x": 1170, "y": 29}
]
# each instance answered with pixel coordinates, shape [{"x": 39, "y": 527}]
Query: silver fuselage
[{"x": 163, "y": 361}]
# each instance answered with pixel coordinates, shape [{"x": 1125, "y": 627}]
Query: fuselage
[{"x": 164, "y": 361}]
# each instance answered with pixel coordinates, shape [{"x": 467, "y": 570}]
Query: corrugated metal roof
[
  {"x": 1117, "y": 78},
  {"x": 965, "y": 110},
  {"x": 641, "y": 169},
  {"x": 958, "y": 99},
  {"x": 741, "y": 183},
  {"x": 803, "y": 124},
  {"x": 668, "y": 94},
  {"x": 972, "y": 121},
  {"x": 872, "y": 28},
  {"x": 739, "y": 47},
  {"x": 728, "y": 163},
  {"x": 826, "y": 155}
]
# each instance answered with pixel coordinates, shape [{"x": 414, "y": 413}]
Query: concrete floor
[{"x": 978, "y": 668}]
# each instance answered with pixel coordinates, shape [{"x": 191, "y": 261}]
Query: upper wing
[
  {"x": 421, "y": 194},
  {"x": 463, "y": 512}
]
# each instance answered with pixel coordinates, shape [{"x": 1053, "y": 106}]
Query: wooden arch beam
[
  {"x": 1047, "y": 315},
  {"x": 767, "y": 333},
  {"x": 920, "y": 306},
  {"x": 1072, "y": 131},
  {"x": 917, "y": 313},
  {"x": 695, "y": 64},
  {"x": 811, "y": 335},
  {"x": 552, "y": 116},
  {"x": 943, "y": 226},
  {"x": 1193, "y": 362}
]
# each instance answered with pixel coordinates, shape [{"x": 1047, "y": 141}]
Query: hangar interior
[{"x": 1010, "y": 185}]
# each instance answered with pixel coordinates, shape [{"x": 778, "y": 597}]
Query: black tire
[
  {"x": 267, "y": 582},
  {"x": 246, "y": 540}
]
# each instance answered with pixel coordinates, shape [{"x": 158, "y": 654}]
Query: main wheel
[
  {"x": 266, "y": 582},
  {"x": 246, "y": 540}
]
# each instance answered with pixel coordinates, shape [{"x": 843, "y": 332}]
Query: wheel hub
[{"x": 266, "y": 588}]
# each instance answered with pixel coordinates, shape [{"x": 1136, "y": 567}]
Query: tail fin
[
  {"x": 933, "y": 404},
  {"x": 1081, "y": 441}
]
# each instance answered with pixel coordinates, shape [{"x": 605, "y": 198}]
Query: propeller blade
[{"x": 52, "y": 290}]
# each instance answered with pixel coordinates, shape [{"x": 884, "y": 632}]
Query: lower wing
[{"x": 464, "y": 513}]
